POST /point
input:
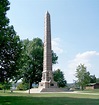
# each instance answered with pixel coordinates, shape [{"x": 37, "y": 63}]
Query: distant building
[{"x": 92, "y": 86}]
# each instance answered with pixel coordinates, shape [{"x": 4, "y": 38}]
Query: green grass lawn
[
  {"x": 48, "y": 99},
  {"x": 91, "y": 91}
]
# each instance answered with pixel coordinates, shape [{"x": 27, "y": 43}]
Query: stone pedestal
[{"x": 47, "y": 80}]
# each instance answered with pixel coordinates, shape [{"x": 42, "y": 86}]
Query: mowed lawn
[{"x": 48, "y": 99}]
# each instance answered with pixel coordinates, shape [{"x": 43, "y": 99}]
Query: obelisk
[{"x": 47, "y": 76}]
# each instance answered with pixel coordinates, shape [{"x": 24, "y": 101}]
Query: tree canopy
[
  {"x": 82, "y": 75},
  {"x": 10, "y": 46},
  {"x": 59, "y": 78},
  {"x": 92, "y": 79}
]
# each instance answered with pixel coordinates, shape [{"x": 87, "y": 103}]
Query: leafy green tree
[
  {"x": 82, "y": 75},
  {"x": 97, "y": 80},
  {"x": 92, "y": 79},
  {"x": 10, "y": 46},
  {"x": 33, "y": 58},
  {"x": 4, "y": 21},
  {"x": 59, "y": 78},
  {"x": 33, "y": 61},
  {"x": 54, "y": 57}
]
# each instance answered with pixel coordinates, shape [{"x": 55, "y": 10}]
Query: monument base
[{"x": 47, "y": 84}]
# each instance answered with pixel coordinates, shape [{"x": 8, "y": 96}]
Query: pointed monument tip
[{"x": 47, "y": 12}]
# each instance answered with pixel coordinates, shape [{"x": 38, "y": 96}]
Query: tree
[
  {"x": 54, "y": 57},
  {"x": 59, "y": 78},
  {"x": 97, "y": 80},
  {"x": 32, "y": 61},
  {"x": 82, "y": 75},
  {"x": 10, "y": 46},
  {"x": 92, "y": 79},
  {"x": 4, "y": 21},
  {"x": 33, "y": 58}
]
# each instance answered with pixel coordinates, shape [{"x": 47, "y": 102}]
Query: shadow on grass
[{"x": 25, "y": 100}]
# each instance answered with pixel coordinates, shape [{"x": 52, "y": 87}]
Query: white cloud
[
  {"x": 81, "y": 58},
  {"x": 56, "y": 42}
]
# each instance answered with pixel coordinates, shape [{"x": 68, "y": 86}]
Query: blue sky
[{"x": 74, "y": 29}]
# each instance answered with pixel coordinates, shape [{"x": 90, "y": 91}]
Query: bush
[
  {"x": 22, "y": 86},
  {"x": 1, "y": 87},
  {"x": 5, "y": 86}
]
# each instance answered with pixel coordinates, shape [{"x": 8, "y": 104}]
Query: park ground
[{"x": 89, "y": 97}]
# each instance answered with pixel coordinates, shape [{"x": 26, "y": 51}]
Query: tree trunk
[{"x": 82, "y": 88}]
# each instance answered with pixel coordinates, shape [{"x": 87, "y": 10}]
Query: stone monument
[
  {"x": 47, "y": 83},
  {"x": 47, "y": 76}
]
